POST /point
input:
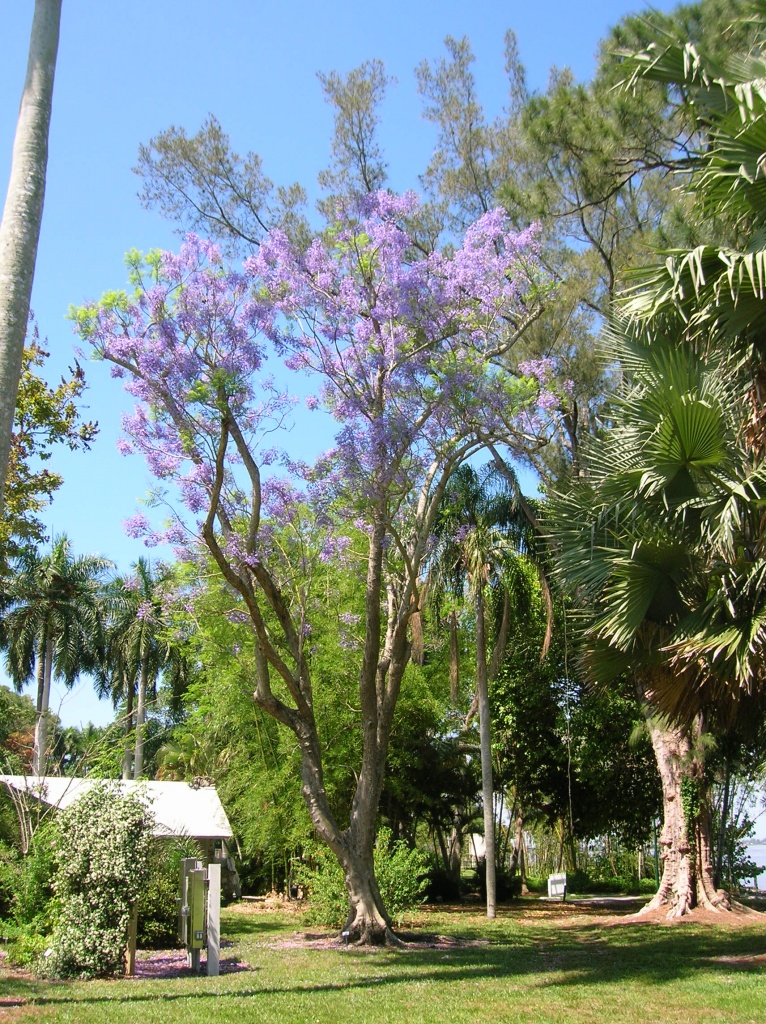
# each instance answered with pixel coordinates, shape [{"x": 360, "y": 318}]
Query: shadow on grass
[
  {"x": 583, "y": 956},
  {"x": 239, "y": 926}
]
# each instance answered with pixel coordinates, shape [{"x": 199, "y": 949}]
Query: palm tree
[
  {"x": 23, "y": 211},
  {"x": 715, "y": 291},
  {"x": 656, "y": 545},
  {"x": 116, "y": 677},
  {"x": 663, "y": 543},
  {"x": 139, "y": 649},
  {"x": 712, "y": 298},
  {"x": 481, "y": 526},
  {"x": 192, "y": 756},
  {"x": 52, "y": 624}
]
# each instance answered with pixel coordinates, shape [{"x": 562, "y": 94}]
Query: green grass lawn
[{"x": 536, "y": 963}]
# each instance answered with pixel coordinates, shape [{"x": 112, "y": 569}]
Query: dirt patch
[
  {"x": 734, "y": 918},
  {"x": 274, "y": 902},
  {"x": 746, "y": 963}
]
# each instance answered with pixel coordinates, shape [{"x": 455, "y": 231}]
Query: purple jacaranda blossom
[
  {"x": 137, "y": 525},
  {"x": 350, "y": 618},
  {"x": 145, "y": 611},
  {"x": 408, "y": 354},
  {"x": 335, "y": 549},
  {"x": 402, "y": 354}
]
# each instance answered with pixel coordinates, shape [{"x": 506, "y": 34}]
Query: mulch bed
[{"x": 172, "y": 963}]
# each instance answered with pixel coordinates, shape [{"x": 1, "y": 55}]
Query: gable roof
[{"x": 179, "y": 809}]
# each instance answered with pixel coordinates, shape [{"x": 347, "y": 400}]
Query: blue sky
[{"x": 127, "y": 70}]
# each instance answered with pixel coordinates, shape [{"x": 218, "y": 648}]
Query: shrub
[
  {"x": 507, "y": 886},
  {"x": 10, "y": 869},
  {"x": 537, "y": 884},
  {"x": 328, "y": 898},
  {"x": 102, "y": 851},
  {"x": 441, "y": 885},
  {"x": 157, "y": 907},
  {"x": 401, "y": 873},
  {"x": 25, "y": 947},
  {"x": 34, "y": 904}
]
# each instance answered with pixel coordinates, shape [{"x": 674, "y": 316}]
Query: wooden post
[
  {"x": 213, "y": 919},
  {"x": 130, "y": 952}
]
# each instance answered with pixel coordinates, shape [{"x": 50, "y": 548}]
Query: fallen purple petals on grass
[{"x": 172, "y": 963}]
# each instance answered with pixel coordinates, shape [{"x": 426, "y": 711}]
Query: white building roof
[{"x": 178, "y": 808}]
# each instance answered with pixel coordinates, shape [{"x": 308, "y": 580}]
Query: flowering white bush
[{"x": 102, "y": 853}]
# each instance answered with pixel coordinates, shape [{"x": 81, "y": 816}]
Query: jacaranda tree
[{"x": 401, "y": 351}]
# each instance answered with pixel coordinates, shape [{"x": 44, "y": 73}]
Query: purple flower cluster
[{"x": 402, "y": 350}]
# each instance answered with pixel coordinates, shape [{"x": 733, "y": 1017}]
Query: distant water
[{"x": 757, "y": 853}]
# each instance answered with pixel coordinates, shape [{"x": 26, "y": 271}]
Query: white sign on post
[{"x": 557, "y": 887}]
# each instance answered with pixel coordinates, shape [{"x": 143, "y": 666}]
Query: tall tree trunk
[
  {"x": 454, "y": 660},
  {"x": 485, "y": 745},
  {"x": 143, "y": 682},
  {"x": 23, "y": 211},
  {"x": 456, "y": 846},
  {"x": 127, "y": 756},
  {"x": 367, "y": 921},
  {"x": 718, "y": 866},
  {"x": 518, "y": 839},
  {"x": 687, "y": 874},
  {"x": 44, "y": 671}
]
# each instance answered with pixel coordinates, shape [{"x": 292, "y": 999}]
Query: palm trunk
[
  {"x": 456, "y": 846},
  {"x": 22, "y": 215},
  {"x": 485, "y": 745},
  {"x": 518, "y": 839},
  {"x": 44, "y": 671},
  {"x": 127, "y": 757},
  {"x": 442, "y": 844},
  {"x": 454, "y": 660},
  {"x": 687, "y": 875},
  {"x": 143, "y": 682}
]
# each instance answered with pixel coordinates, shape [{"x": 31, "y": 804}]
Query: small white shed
[{"x": 179, "y": 808}]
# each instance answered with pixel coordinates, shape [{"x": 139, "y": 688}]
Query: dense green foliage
[
  {"x": 401, "y": 873},
  {"x": 157, "y": 900},
  {"x": 45, "y": 417}
]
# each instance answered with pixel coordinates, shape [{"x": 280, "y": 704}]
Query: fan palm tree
[
  {"x": 659, "y": 546},
  {"x": 715, "y": 292},
  {"x": 481, "y": 526},
  {"x": 52, "y": 624},
  {"x": 116, "y": 677},
  {"x": 663, "y": 542},
  {"x": 712, "y": 298}
]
